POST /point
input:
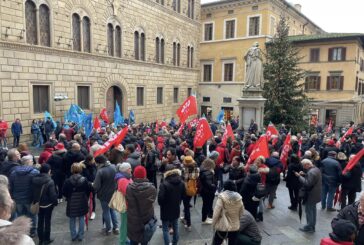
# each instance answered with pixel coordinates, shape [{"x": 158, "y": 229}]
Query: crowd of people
[{"x": 161, "y": 165}]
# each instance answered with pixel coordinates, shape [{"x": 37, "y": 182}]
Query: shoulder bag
[{"x": 34, "y": 207}]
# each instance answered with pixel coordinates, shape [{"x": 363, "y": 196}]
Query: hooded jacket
[
  {"x": 21, "y": 184},
  {"x": 170, "y": 194},
  {"x": 134, "y": 159},
  {"x": 49, "y": 195},
  {"x": 208, "y": 182},
  {"x": 104, "y": 183},
  {"x": 230, "y": 205},
  {"x": 15, "y": 233}
]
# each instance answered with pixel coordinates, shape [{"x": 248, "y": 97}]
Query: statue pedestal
[{"x": 251, "y": 106}]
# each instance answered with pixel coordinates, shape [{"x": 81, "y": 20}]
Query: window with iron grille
[
  {"x": 140, "y": 96},
  {"x": 83, "y": 97},
  {"x": 175, "y": 95},
  {"x": 44, "y": 26},
  {"x": 31, "y": 22},
  {"x": 177, "y": 6},
  {"x": 209, "y": 31},
  {"x": 110, "y": 39},
  {"x": 157, "y": 46},
  {"x": 162, "y": 51},
  {"x": 254, "y": 26},
  {"x": 40, "y": 98},
  {"x": 191, "y": 9},
  {"x": 207, "y": 72},
  {"x": 118, "y": 41},
  {"x": 86, "y": 28},
  {"x": 160, "y": 95},
  {"x": 174, "y": 56},
  {"x": 76, "y": 31},
  {"x": 229, "y": 29},
  {"x": 178, "y": 54}
]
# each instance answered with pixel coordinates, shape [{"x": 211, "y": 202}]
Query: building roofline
[{"x": 328, "y": 37}]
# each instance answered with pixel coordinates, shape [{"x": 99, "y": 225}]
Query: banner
[
  {"x": 192, "y": 123},
  {"x": 260, "y": 149},
  {"x": 113, "y": 141},
  {"x": 87, "y": 123},
  {"x": 220, "y": 116},
  {"x": 156, "y": 127},
  {"x": 188, "y": 108},
  {"x": 75, "y": 114},
  {"x": 342, "y": 139},
  {"x": 104, "y": 116},
  {"x": 271, "y": 130},
  {"x": 351, "y": 164},
  {"x": 203, "y": 133},
  {"x": 285, "y": 150},
  {"x": 118, "y": 118},
  {"x": 228, "y": 133},
  {"x": 97, "y": 124},
  {"x": 180, "y": 129},
  {"x": 48, "y": 115}
]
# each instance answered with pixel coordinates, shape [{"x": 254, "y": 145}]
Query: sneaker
[
  {"x": 307, "y": 230},
  {"x": 105, "y": 232},
  {"x": 93, "y": 216},
  {"x": 270, "y": 206},
  {"x": 331, "y": 209},
  {"x": 292, "y": 208},
  {"x": 116, "y": 231},
  {"x": 48, "y": 241},
  {"x": 207, "y": 222},
  {"x": 188, "y": 228}
]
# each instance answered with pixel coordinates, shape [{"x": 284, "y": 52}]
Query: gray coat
[
  {"x": 104, "y": 183},
  {"x": 134, "y": 159},
  {"x": 312, "y": 183}
]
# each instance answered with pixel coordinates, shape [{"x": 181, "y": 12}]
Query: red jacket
[
  {"x": 47, "y": 153},
  {"x": 3, "y": 128},
  {"x": 234, "y": 152},
  {"x": 329, "y": 241},
  {"x": 223, "y": 155}
]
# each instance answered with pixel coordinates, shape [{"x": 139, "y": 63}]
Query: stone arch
[
  {"x": 75, "y": 6},
  {"x": 120, "y": 82}
]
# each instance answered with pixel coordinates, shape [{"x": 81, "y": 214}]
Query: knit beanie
[{"x": 140, "y": 172}]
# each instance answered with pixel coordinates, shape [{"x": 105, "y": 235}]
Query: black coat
[
  {"x": 90, "y": 172},
  {"x": 291, "y": 179},
  {"x": 76, "y": 189},
  {"x": 7, "y": 167},
  {"x": 171, "y": 191},
  {"x": 249, "y": 186},
  {"x": 49, "y": 194},
  {"x": 352, "y": 179},
  {"x": 70, "y": 158},
  {"x": 237, "y": 175},
  {"x": 57, "y": 163},
  {"x": 207, "y": 182}
]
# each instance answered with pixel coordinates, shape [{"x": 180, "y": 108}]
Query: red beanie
[{"x": 140, "y": 172}]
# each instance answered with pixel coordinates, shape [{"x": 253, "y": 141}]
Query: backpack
[
  {"x": 191, "y": 187},
  {"x": 273, "y": 176}
]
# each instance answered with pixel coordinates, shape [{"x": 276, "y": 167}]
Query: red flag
[
  {"x": 113, "y": 141},
  {"x": 329, "y": 128},
  {"x": 104, "y": 116},
  {"x": 180, "y": 129},
  {"x": 228, "y": 133},
  {"x": 271, "y": 130},
  {"x": 156, "y": 127},
  {"x": 342, "y": 139},
  {"x": 97, "y": 124},
  {"x": 260, "y": 149},
  {"x": 203, "y": 133},
  {"x": 285, "y": 150},
  {"x": 193, "y": 123},
  {"x": 163, "y": 124},
  {"x": 188, "y": 108},
  {"x": 299, "y": 154},
  {"x": 353, "y": 161}
]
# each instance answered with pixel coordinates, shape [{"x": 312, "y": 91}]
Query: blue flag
[
  {"x": 131, "y": 117},
  {"x": 87, "y": 123},
  {"x": 75, "y": 114},
  {"x": 118, "y": 118},
  {"x": 48, "y": 115},
  {"x": 220, "y": 116}
]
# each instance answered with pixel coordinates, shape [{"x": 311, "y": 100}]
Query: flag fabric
[
  {"x": 260, "y": 149},
  {"x": 48, "y": 115},
  {"x": 203, "y": 133},
  {"x": 104, "y": 116},
  {"x": 163, "y": 124},
  {"x": 131, "y": 117},
  {"x": 156, "y": 127},
  {"x": 285, "y": 150},
  {"x": 192, "y": 123},
  {"x": 118, "y": 118},
  {"x": 271, "y": 130},
  {"x": 220, "y": 116},
  {"x": 87, "y": 123},
  {"x": 188, "y": 108},
  {"x": 342, "y": 139},
  {"x": 97, "y": 124},
  {"x": 228, "y": 133},
  {"x": 75, "y": 114},
  {"x": 116, "y": 140},
  {"x": 180, "y": 129},
  {"x": 352, "y": 162},
  {"x": 329, "y": 127}
]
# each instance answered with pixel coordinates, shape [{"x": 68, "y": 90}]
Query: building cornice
[
  {"x": 89, "y": 56},
  {"x": 236, "y": 39},
  {"x": 230, "y": 4}
]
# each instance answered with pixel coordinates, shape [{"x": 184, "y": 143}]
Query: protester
[
  {"x": 35, "y": 130},
  {"x": 89, "y": 172},
  {"x": 134, "y": 157},
  {"x": 46, "y": 154},
  {"x": 16, "y": 130},
  {"x": 292, "y": 181},
  {"x": 207, "y": 189},
  {"x": 248, "y": 191},
  {"x": 13, "y": 161},
  {"x": 236, "y": 172},
  {"x": 72, "y": 156},
  {"x": 343, "y": 233},
  {"x": 351, "y": 184},
  {"x": 58, "y": 168},
  {"x": 249, "y": 233},
  {"x": 273, "y": 177},
  {"x": 150, "y": 162}
]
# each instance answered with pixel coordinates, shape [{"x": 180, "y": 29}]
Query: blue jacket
[
  {"x": 48, "y": 127},
  {"x": 331, "y": 171},
  {"x": 21, "y": 184},
  {"x": 16, "y": 129},
  {"x": 35, "y": 128}
]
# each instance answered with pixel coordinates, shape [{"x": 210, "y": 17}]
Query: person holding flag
[{"x": 351, "y": 183}]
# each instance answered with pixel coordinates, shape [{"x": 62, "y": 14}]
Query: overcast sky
[{"x": 332, "y": 15}]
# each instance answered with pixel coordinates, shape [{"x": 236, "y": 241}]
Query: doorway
[{"x": 113, "y": 94}]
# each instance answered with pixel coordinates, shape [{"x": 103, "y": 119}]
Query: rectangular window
[
  {"x": 226, "y": 100},
  {"x": 83, "y": 97},
  {"x": 208, "y": 31},
  {"x": 337, "y": 54},
  {"x": 189, "y": 92},
  {"x": 335, "y": 82},
  {"x": 272, "y": 26},
  {"x": 228, "y": 71},
  {"x": 207, "y": 72},
  {"x": 140, "y": 96},
  {"x": 229, "y": 29},
  {"x": 205, "y": 99},
  {"x": 175, "y": 95},
  {"x": 361, "y": 64},
  {"x": 254, "y": 26},
  {"x": 40, "y": 98},
  {"x": 159, "y": 95},
  {"x": 314, "y": 55},
  {"x": 313, "y": 82}
]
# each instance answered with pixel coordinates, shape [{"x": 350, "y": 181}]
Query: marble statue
[{"x": 254, "y": 67}]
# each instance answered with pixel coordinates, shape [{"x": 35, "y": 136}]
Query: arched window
[
  {"x": 162, "y": 51},
  {"x": 110, "y": 39},
  {"x": 31, "y": 22},
  {"x": 139, "y": 45},
  {"x": 136, "y": 45},
  {"x": 157, "y": 46},
  {"x": 191, "y": 57},
  {"x": 188, "y": 56},
  {"x": 118, "y": 41},
  {"x": 142, "y": 46},
  {"x": 86, "y": 29},
  {"x": 76, "y": 32},
  {"x": 178, "y": 54},
  {"x": 177, "y": 6},
  {"x": 174, "y": 53},
  {"x": 44, "y": 26}
]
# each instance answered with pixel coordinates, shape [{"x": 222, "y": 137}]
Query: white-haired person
[{"x": 311, "y": 182}]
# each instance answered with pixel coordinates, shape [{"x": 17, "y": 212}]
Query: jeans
[
  {"x": 219, "y": 176},
  {"x": 16, "y": 141},
  {"x": 35, "y": 139},
  {"x": 327, "y": 195},
  {"x": 108, "y": 216},
  {"x": 350, "y": 194},
  {"x": 165, "y": 227},
  {"x": 311, "y": 213},
  {"x": 41, "y": 139},
  {"x": 220, "y": 236},
  {"x": 187, "y": 212},
  {"x": 293, "y": 195},
  {"x": 44, "y": 223},
  {"x": 3, "y": 140},
  {"x": 24, "y": 209},
  {"x": 81, "y": 227},
  {"x": 207, "y": 201},
  {"x": 271, "y": 190}
]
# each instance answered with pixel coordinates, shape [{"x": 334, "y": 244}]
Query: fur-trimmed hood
[
  {"x": 15, "y": 233},
  {"x": 172, "y": 172}
]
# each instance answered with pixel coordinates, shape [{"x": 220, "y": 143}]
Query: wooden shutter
[
  {"x": 343, "y": 53},
  {"x": 330, "y": 53},
  {"x": 341, "y": 86},
  {"x": 318, "y": 83},
  {"x": 328, "y": 87}
]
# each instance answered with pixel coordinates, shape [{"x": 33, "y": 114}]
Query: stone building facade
[{"x": 143, "y": 54}]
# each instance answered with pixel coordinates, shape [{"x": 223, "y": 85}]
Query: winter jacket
[
  {"x": 123, "y": 180},
  {"x": 76, "y": 189},
  {"x": 21, "y": 184},
  {"x": 90, "y": 172},
  {"x": 70, "y": 158},
  {"x": 199, "y": 157},
  {"x": 48, "y": 127},
  {"x": 140, "y": 196},
  {"x": 104, "y": 183},
  {"x": 190, "y": 171},
  {"x": 325, "y": 151},
  {"x": 7, "y": 167},
  {"x": 35, "y": 128},
  {"x": 134, "y": 159},
  {"x": 16, "y": 129},
  {"x": 208, "y": 182},
  {"x": 352, "y": 179},
  {"x": 331, "y": 171},
  {"x": 350, "y": 213},
  {"x": 223, "y": 155},
  {"x": 230, "y": 204},
  {"x": 49, "y": 194},
  {"x": 235, "y": 152},
  {"x": 312, "y": 183},
  {"x": 45, "y": 155},
  {"x": 15, "y": 233},
  {"x": 116, "y": 156},
  {"x": 292, "y": 180},
  {"x": 248, "y": 227},
  {"x": 171, "y": 191},
  {"x": 249, "y": 186},
  {"x": 329, "y": 241},
  {"x": 57, "y": 163},
  {"x": 151, "y": 160},
  {"x": 237, "y": 174}
]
